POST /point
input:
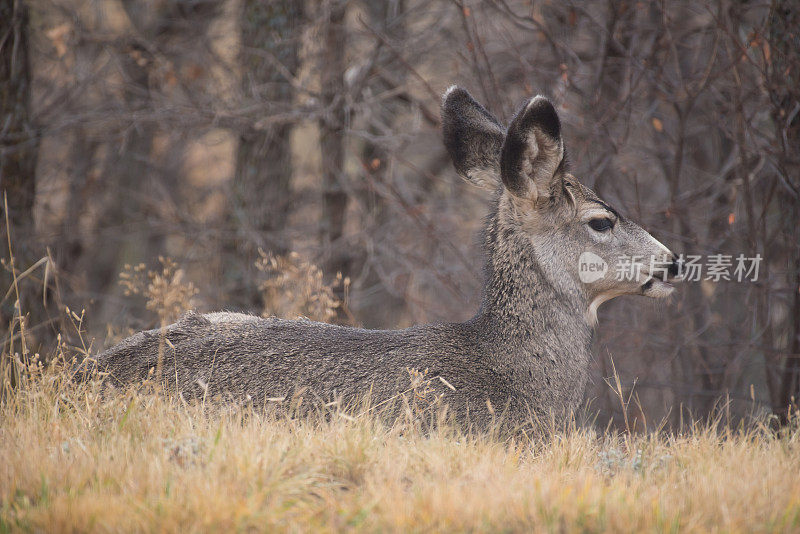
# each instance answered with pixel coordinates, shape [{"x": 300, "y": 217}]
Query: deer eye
[{"x": 601, "y": 224}]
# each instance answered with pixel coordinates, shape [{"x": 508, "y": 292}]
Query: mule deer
[{"x": 525, "y": 352}]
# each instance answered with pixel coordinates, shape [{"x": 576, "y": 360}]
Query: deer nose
[{"x": 676, "y": 267}]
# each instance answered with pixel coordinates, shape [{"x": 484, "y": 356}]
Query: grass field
[{"x": 73, "y": 460}]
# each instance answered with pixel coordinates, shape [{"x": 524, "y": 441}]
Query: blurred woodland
[{"x": 224, "y": 135}]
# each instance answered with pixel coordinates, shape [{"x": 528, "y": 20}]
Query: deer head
[{"x": 579, "y": 241}]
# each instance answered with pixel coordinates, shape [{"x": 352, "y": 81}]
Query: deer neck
[{"x": 530, "y": 299}]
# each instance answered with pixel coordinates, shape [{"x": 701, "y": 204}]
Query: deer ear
[
  {"x": 473, "y": 137},
  {"x": 533, "y": 150}
]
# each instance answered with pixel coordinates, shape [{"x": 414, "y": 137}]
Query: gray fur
[{"x": 527, "y": 350}]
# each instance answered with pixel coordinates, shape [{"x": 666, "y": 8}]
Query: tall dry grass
[{"x": 72, "y": 459}]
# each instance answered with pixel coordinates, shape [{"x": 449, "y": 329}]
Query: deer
[{"x": 525, "y": 354}]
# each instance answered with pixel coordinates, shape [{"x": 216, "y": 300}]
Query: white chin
[{"x": 657, "y": 289}]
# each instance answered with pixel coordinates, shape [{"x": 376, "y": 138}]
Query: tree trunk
[
  {"x": 332, "y": 139},
  {"x": 785, "y": 88},
  {"x": 18, "y": 147},
  {"x": 19, "y": 140},
  {"x": 382, "y": 305},
  {"x": 270, "y": 44},
  {"x": 128, "y": 181},
  {"x": 260, "y": 194}
]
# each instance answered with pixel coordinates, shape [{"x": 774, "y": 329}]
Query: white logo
[{"x": 591, "y": 267}]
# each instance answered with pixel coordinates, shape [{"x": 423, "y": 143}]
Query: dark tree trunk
[
  {"x": 19, "y": 144},
  {"x": 69, "y": 247},
  {"x": 19, "y": 140},
  {"x": 382, "y": 305},
  {"x": 270, "y": 43},
  {"x": 121, "y": 237},
  {"x": 785, "y": 88},
  {"x": 332, "y": 139},
  {"x": 260, "y": 198}
]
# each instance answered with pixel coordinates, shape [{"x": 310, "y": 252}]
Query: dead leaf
[
  {"x": 658, "y": 125},
  {"x": 58, "y": 36}
]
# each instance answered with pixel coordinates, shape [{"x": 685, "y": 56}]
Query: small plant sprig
[
  {"x": 295, "y": 288},
  {"x": 167, "y": 291}
]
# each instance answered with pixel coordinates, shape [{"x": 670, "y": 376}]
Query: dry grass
[
  {"x": 166, "y": 291},
  {"x": 295, "y": 287},
  {"x": 74, "y": 461}
]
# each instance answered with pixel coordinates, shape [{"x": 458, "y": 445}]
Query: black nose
[{"x": 676, "y": 267}]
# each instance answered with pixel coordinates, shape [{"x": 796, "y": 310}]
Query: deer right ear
[
  {"x": 473, "y": 137},
  {"x": 533, "y": 150}
]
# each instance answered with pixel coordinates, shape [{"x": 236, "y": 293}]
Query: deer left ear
[
  {"x": 473, "y": 138},
  {"x": 533, "y": 150}
]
